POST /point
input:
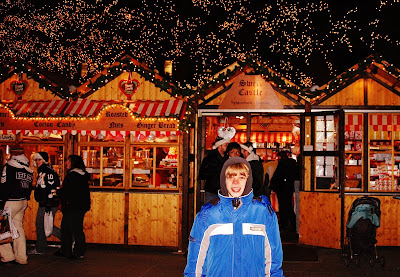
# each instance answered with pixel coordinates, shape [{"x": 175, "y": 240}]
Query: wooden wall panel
[
  {"x": 104, "y": 223},
  {"x": 381, "y": 96},
  {"x": 388, "y": 234},
  {"x": 349, "y": 96},
  {"x": 33, "y": 92},
  {"x": 153, "y": 219},
  {"x": 146, "y": 90},
  {"x": 320, "y": 219}
]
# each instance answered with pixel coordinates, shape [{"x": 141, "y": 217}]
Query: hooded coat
[
  {"x": 47, "y": 183},
  {"x": 229, "y": 241},
  {"x": 16, "y": 179}
]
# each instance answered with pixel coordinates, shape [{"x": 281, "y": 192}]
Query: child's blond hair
[{"x": 237, "y": 169}]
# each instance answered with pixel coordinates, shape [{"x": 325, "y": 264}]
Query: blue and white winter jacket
[{"x": 229, "y": 241}]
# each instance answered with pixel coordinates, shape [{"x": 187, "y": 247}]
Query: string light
[{"x": 62, "y": 35}]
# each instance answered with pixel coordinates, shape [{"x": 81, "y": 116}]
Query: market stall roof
[
  {"x": 373, "y": 67},
  {"x": 220, "y": 84},
  {"x": 88, "y": 108}
]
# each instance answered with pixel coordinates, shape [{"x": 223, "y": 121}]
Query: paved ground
[{"x": 103, "y": 260}]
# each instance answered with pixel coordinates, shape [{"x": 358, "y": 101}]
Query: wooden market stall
[
  {"x": 126, "y": 126},
  {"x": 253, "y": 103},
  {"x": 351, "y": 149}
]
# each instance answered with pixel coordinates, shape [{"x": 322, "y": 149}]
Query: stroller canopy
[{"x": 365, "y": 211}]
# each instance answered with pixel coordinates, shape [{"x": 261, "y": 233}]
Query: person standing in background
[
  {"x": 75, "y": 202},
  {"x": 211, "y": 166},
  {"x": 47, "y": 183},
  {"x": 15, "y": 190},
  {"x": 257, "y": 169},
  {"x": 283, "y": 184}
]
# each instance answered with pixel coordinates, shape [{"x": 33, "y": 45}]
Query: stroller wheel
[{"x": 382, "y": 261}]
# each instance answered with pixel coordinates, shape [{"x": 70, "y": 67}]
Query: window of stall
[
  {"x": 103, "y": 156},
  {"x": 53, "y": 144},
  {"x": 154, "y": 163},
  {"x": 353, "y": 149},
  {"x": 322, "y": 162},
  {"x": 384, "y": 152}
]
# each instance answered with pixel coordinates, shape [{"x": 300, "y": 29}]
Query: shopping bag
[
  {"x": 48, "y": 223},
  {"x": 8, "y": 231}
]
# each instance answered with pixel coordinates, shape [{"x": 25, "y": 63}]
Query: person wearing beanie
[
  {"x": 211, "y": 166},
  {"x": 15, "y": 189},
  {"x": 256, "y": 168},
  {"x": 47, "y": 184},
  {"x": 235, "y": 234}
]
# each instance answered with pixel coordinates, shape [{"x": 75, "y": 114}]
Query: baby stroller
[{"x": 363, "y": 220}]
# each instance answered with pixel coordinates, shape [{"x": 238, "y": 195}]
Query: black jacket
[
  {"x": 284, "y": 176},
  {"x": 75, "y": 194},
  {"x": 16, "y": 179},
  {"x": 210, "y": 170},
  {"x": 47, "y": 181},
  {"x": 258, "y": 175}
]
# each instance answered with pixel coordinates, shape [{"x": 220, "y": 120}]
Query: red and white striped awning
[
  {"x": 157, "y": 108},
  {"x": 42, "y": 108},
  {"x": 353, "y": 122},
  {"x": 380, "y": 122},
  {"x": 279, "y": 137},
  {"x": 87, "y": 108}
]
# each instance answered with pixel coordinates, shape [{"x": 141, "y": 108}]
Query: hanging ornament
[
  {"x": 19, "y": 87},
  {"x": 226, "y": 132},
  {"x": 129, "y": 87}
]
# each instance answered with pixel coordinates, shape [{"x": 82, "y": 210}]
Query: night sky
[{"x": 308, "y": 42}]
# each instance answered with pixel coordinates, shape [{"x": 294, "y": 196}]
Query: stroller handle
[{"x": 396, "y": 197}]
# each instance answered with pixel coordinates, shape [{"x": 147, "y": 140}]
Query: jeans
[
  {"x": 41, "y": 240},
  {"x": 72, "y": 230},
  {"x": 19, "y": 245}
]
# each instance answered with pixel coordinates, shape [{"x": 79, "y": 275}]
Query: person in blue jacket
[{"x": 236, "y": 234}]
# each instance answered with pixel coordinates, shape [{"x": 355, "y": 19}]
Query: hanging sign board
[
  {"x": 251, "y": 92},
  {"x": 112, "y": 118}
]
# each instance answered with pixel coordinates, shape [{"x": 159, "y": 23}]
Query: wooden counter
[
  {"x": 320, "y": 219},
  {"x": 151, "y": 219}
]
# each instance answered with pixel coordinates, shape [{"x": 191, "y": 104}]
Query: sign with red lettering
[
  {"x": 251, "y": 92},
  {"x": 111, "y": 118}
]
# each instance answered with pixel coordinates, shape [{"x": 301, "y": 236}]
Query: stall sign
[
  {"x": 251, "y": 92},
  {"x": 7, "y": 137},
  {"x": 116, "y": 118}
]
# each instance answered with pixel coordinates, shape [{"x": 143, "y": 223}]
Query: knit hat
[
  {"x": 247, "y": 146},
  {"x": 40, "y": 156},
  {"x": 219, "y": 141},
  {"x": 222, "y": 178}
]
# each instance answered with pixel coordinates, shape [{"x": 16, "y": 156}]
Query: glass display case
[
  {"x": 129, "y": 164},
  {"x": 105, "y": 164},
  {"x": 154, "y": 166},
  {"x": 353, "y": 158},
  {"x": 384, "y": 152}
]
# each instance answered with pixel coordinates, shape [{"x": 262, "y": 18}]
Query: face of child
[{"x": 235, "y": 184}]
